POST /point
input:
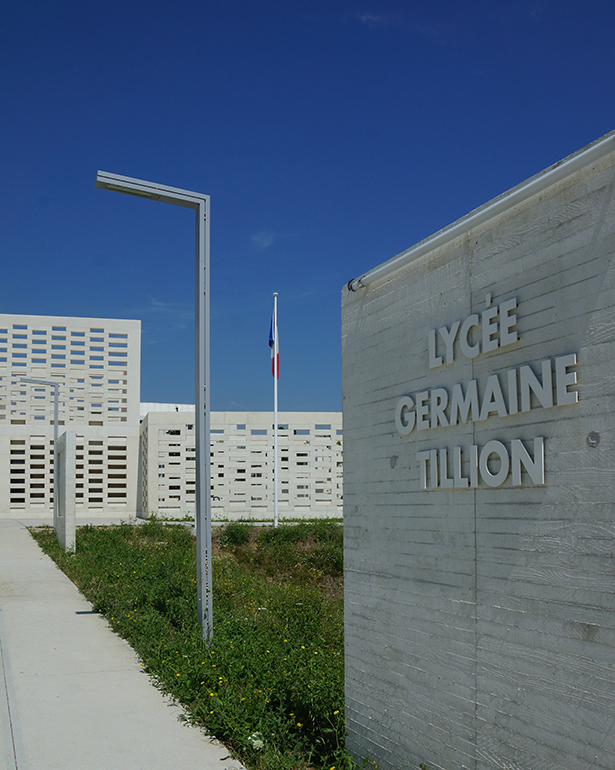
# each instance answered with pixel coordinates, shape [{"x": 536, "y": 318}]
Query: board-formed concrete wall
[{"x": 479, "y": 489}]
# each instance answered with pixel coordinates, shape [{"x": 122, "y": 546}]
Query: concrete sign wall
[{"x": 479, "y": 486}]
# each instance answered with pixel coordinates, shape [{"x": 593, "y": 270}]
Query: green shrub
[
  {"x": 301, "y": 550},
  {"x": 236, "y": 533}
]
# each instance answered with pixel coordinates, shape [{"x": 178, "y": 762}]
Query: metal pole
[
  {"x": 202, "y": 404},
  {"x": 202, "y": 425},
  {"x": 275, "y": 410},
  {"x": 56, "y": 397}
]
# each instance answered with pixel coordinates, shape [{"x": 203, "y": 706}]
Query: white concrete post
[{"x": 65, "y": 519}]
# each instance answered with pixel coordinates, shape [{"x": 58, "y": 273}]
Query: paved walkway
[{"x": 72, "y": 693}]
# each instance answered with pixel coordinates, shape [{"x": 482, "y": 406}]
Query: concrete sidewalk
[{"x": 72, "y": 693}]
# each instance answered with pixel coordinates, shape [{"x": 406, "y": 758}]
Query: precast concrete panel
[
  {"x": 479, "y": 491},
  {"x": 96, "y": 364},
  {"x": 242, "y": 464}
]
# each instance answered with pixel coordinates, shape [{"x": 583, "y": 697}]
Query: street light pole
[
  {"x": 202, "y": 404},
  {"x": 56, "y": 399}
]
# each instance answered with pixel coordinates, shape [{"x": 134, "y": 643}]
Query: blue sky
[{"x": 330, "y": 136}]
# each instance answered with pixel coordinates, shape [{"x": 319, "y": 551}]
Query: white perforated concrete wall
[
  {"x": 309, "y": 464},
  {"x": 479, "y": 489},
  {"x": 96, "y": 363}
]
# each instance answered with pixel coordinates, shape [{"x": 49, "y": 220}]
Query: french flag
[{"x": 274, "y": 345}]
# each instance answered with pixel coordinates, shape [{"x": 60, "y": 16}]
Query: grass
[{"x": 270, "y": 685}]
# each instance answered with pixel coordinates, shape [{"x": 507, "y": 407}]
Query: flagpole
[{"x": 275, "y": 411}]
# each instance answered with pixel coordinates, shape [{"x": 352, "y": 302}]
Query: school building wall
[{"x": 479, "y": 487}]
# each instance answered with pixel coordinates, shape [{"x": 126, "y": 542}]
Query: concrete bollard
[{"x": 65, "y": 521}]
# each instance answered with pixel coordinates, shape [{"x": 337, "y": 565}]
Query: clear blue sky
[{"x": 330, "y": 135}]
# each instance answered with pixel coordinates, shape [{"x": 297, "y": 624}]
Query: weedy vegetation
[{"x": 270, "y": 685}]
